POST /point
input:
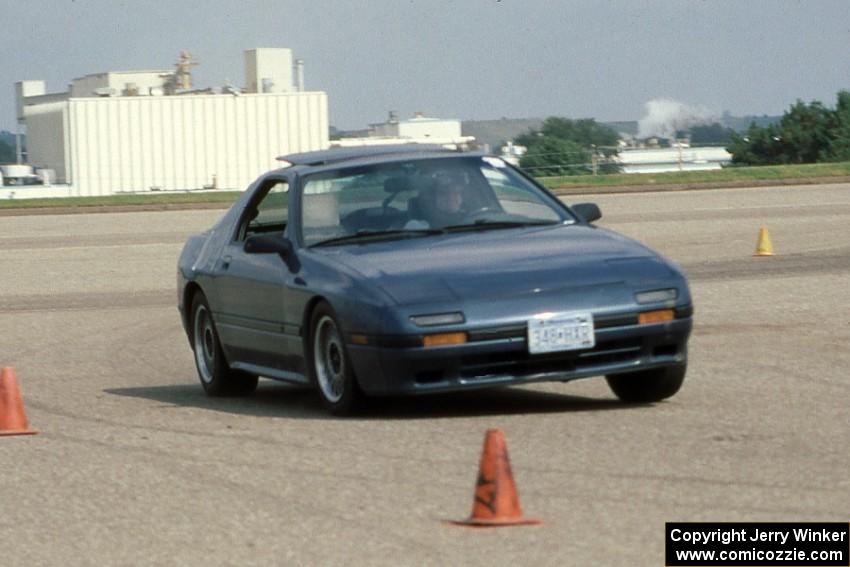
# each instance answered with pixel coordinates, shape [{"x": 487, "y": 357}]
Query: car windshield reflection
[
  {"x": 364, "y": 235},
  {"x": 421, "y": 197},
  {"x": 494, "y": 224}
]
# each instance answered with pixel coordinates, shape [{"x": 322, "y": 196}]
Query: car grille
[
  {"x": 520, "y": 331},
  {"x": 515, "y": 361},
  {"x": 521, "y": 363}
]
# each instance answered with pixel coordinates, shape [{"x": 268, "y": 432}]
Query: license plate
[{"x": 561, "y": 331}]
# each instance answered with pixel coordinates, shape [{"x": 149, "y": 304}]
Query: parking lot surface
[{"x": 134, "y": 465}]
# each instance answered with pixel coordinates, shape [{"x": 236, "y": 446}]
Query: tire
[
  {"x": 648, "y": 385},
  {"x": 329, "y": 364},
  {"x": 217, "y": 378}
]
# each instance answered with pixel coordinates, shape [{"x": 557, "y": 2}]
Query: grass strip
[
  {"x": 820, "y": 171},
  {"x": 123, "y": 200},
  {"x": 728, "y": 174}
]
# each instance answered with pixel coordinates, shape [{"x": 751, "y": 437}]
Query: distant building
[
  {"x": 490, "y": 135},
  {"x": 678, "y": 158},
  {"x": 419, "y": 129},
  {"x": 419, "y": 126},
  {"x": 131, "y": 131},
  {"x": 512, "y": 153}
]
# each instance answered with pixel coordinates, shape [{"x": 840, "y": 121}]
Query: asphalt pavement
[{"x": 135, "y": 466}]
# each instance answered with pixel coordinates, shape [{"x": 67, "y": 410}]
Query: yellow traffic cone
[{"x": 764, "y": 246}]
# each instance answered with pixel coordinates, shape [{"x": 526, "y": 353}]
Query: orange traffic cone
[
  {"x": 13, "y": 419},
  {"x": 764, "y": 246},
  {"x": 496, "y": 502}
]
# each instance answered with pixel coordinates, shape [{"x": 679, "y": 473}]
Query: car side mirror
[
  {"x": 268, "y": 244},
  {"x": 588, "y": 211}
]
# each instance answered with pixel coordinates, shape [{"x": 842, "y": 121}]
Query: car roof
[{"x": 339, "y": 155}]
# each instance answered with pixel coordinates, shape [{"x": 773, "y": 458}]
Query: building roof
[
  {"x": 334, "y": 155},
  {"x": 137, "y": 72}
]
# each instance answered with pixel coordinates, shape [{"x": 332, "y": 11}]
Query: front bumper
[{"x": 496, "y": 357}]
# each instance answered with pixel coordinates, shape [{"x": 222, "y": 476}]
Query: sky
[{"x": 463, "y": 59}]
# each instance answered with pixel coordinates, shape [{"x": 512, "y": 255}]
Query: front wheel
[
  {"x": 648, "y": 385},
  {"x": 217, "y": 378},
  {"x": 330, "y": 367}
]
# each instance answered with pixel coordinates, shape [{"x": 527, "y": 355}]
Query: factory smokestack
[{"x": 299, "y": 75}]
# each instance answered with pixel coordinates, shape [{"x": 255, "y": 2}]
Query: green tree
[
  {"x": 806, "y": 133},
  {"x": 840, "y": 146},
  {"x": 566, "y": 147},
  {"x": 586, "y": 132},
  {"x": 711, "y": 134},
  {"x": 758, "y": 146},
  {"x": 548, "y": 155}
]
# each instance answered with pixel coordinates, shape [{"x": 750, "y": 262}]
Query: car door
[{"x": 252, "y": 288}]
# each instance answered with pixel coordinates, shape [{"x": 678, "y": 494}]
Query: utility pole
[{"x": 594, "y": 159}]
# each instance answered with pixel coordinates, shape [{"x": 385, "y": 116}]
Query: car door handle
[{"x": 225, "y": 262}]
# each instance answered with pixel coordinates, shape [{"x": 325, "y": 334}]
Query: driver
[{"x": 447, "y": 203}]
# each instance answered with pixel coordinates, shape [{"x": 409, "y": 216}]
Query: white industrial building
[
  {"x": 679, "y": 158},
  {"x": 420, "y": 126},
  {"x": 148, "y": 130},
  {"x": 419, "y": 129}
]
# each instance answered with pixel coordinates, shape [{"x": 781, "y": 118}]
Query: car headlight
[
  {"x": 657, "y": 295},
  {"x": 432, "y": 320}
]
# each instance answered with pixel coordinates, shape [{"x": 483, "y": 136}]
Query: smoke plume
[{"x": 664, "y": 116}]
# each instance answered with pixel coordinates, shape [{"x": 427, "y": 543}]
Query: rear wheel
[
  {"x": 648, "y": 385},
  {"x": 217, "y": 378},
  {"x": 330, "y": 368}
]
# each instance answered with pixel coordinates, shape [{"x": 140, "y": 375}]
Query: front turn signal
[
  {"x": 656, "y": 316},
  {"x": 443, "y": 339}
]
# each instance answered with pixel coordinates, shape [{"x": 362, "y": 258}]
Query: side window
[{"x": 271, "y": 212}]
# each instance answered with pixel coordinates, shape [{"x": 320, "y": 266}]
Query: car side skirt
[{"x": 273, "y": 373}]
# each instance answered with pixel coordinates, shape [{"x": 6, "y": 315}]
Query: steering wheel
[{"x": 480, "y": 211}]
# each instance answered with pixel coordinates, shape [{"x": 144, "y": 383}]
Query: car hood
[{"x": 496, "y": 263}]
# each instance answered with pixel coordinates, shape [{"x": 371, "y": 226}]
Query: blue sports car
[{"x": 411, "y": 269}]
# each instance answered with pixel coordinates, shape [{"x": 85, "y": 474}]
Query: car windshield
[{"x": 420, "y": 198}]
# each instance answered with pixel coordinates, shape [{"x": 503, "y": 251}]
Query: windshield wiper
[
  {"x": 484, "y": 224},
  {"x": 379, "y": 235}
]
